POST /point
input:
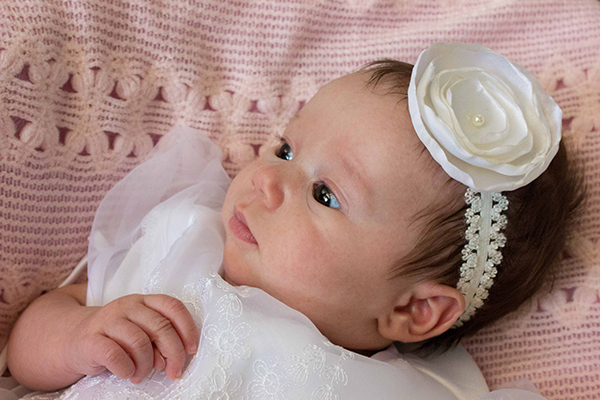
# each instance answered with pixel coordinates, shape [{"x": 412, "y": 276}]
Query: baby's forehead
[
  {"x": 361, "y": 118},
  {"x": 352, "y": 103},
  {"x": 372, "y": 132}
]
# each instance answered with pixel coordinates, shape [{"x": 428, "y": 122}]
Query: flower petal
[{"x": 485, "y": 120}]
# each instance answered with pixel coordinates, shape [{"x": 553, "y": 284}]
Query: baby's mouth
[{"x": 239, "y": 228}]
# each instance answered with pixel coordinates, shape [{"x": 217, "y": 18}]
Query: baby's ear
[{"x": 427, "y": 310}]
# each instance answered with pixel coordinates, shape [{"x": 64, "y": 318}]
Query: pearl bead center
[{"x": 477, "y": 120}]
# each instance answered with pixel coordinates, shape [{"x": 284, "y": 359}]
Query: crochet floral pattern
[{"x": 88, "y": 87}]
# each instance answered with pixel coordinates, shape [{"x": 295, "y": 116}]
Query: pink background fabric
[{"x": 87, "y": 88}]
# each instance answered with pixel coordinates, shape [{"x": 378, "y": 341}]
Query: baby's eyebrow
[{"x": 353, "y": 170}]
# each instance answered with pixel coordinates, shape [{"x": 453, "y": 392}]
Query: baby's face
[{"x": 320, "y": 219}]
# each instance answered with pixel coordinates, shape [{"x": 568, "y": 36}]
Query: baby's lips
[{"x": 240, "y": 228}]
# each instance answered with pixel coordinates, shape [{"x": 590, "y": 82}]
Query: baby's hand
[{"x": 133, "y": 334}]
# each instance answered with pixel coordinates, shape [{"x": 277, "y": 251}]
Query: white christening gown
[{"x": 159, "y": 231}]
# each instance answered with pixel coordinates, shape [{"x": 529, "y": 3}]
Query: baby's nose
[{"x": 267, "y": 181}]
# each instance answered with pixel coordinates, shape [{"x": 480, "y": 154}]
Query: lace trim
[{"x": 481, "y": 254}]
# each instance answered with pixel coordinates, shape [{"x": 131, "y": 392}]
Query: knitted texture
[{"x": 88, "y": 87}]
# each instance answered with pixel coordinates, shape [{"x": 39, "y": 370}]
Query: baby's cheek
[{"x": 316, "y": 260}]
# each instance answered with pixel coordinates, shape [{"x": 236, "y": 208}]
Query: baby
[{"x": 350, "y": 219}]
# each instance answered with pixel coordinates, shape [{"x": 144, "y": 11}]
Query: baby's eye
[
  {"x": 285, "y": 152},
  {"x": 323, "y": 195}
]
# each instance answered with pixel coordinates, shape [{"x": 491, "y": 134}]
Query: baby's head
[{"x": 349, "y": 220}]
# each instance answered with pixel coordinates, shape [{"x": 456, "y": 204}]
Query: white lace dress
[{"x": 159, "y": 231}]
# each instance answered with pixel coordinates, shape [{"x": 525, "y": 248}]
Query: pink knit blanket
[{"x": 88, "y": 87}]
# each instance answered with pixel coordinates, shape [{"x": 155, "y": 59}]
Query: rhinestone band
[{"x": 481, "y": 254}]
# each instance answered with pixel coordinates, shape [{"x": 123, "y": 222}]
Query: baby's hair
[{"x": 540, "y": 215}]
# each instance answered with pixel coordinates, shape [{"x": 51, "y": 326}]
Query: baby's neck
[{"x": 366, "y": 353}]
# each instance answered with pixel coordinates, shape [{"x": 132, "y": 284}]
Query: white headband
[{"x": 491, "y": 126}]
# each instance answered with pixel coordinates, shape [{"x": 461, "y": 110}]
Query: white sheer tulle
[
  {"x": 159, "y": 231},
  {"x": 187, "y": 165}
]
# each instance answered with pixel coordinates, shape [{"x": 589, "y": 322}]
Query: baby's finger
[
  {"x": 163, "y": 334},
  {"x": 180, "y": 317},
  {"x": 136, "y": 343},
  {"x": 113, "y": 357},
  {"x": 159, "y": 361}
]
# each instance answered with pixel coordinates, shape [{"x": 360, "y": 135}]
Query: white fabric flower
[
  {"x": 269, "y": 383},
  {"x": 227, "y": 340},
  {"x": 220, "y": 386},
  {"x": 485, "y": 120}
]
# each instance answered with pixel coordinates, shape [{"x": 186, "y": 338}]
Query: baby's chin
[
  {"x": 227, "y": 278},
  {"x": 233, "y": 270},
  {"x": 226, "y": 271}
]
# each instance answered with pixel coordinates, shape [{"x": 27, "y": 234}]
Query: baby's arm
[{"x": 57, "y": 340}]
